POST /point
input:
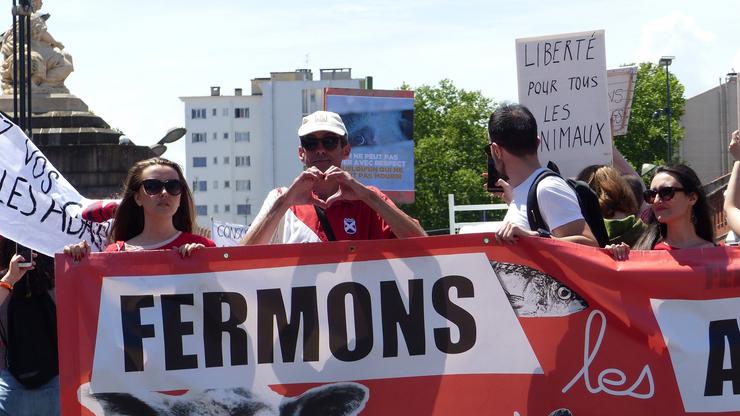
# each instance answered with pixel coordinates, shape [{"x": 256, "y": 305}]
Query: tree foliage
[
  {"x": 449, "y": 133},
  {"x": 646, "y": 139}
]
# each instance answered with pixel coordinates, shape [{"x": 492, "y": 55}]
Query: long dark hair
[
  {"x": 700, "y": 215},
  {"x": 129, "y": 220}
]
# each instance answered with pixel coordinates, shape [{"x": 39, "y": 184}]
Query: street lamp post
[
  {"x": 174, "y": 134},
  {"x": 666, "y": 62}
]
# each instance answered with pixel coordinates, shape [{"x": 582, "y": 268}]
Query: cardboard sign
[
  {"x": 621, "y": 90},
  {"x": 562, "y": 80},
  {"x": 432, "y": 326},
  {"x": 381, "y": 132}
]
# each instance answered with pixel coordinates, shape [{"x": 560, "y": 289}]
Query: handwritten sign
[
  {"x": 38, "y": 207},
  {"x": 621, "y": 90},
  {"x": 226, "y": 234},
  {"x": 562, "y": 80}
]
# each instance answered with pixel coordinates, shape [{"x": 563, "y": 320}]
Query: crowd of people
[{"x": 326, "y": 203}]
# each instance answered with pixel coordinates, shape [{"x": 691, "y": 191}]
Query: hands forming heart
[{"x": 323, "y": 189}]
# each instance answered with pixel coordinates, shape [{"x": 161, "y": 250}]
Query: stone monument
[{"x": 81, "y": 145}]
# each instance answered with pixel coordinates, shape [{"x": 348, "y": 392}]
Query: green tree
[
  {"x": 449, "y": 133},
  {"x": 646, "y": 139}
]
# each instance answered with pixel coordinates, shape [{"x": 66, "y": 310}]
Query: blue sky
[{"x": 134, "y": 58}]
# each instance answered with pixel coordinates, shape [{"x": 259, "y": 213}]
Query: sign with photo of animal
[
  {"x": 562, "y": 80},
  {"x": 426, "y": 326},
  {"x": 380, "y": 124}
]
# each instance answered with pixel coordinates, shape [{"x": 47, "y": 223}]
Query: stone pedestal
[{"x": 81, "y": 145}]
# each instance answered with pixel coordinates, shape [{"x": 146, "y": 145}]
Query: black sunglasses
[
  {"x": 155, "y": 186},
  {"x": 487, "y": 150},
  {"x": 310, "y": 142},
  {"x": 666, "y": 194}
]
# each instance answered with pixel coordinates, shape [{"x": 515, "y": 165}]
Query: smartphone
[
  {"x": 493, "y": 177},
  {"x": 27, "y": 254}
]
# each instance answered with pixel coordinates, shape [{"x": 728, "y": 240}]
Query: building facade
[
  {"x": 709, "y": 119},
  {"x": 239, "y": 147}
]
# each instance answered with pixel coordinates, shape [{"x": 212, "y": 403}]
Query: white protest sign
[
  {"x": 352, "y": 301},
  {"x": 226, "y": 234},
  {"x": 562, "y": 80},
  {"x": 621, "y": 90},
  {"x": 38, "y": 207},
  {"x": 701, "y": 337}
]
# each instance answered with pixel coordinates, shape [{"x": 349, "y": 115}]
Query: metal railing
[{"x": 454, "y": 209}]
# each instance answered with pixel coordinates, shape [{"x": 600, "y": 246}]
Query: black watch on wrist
[{"x": 543, "y": 233}]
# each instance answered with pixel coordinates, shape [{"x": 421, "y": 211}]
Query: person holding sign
[
  {"x": 324, "y": 202},
  {"x": 29, "y": 382},
  {"x": 512, "y": 131},
  {"x": 156, "y": 212}
]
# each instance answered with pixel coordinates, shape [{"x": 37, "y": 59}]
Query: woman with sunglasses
[
  {"x": 156, "y": 212},
  {"x": 679, "y": 215}
]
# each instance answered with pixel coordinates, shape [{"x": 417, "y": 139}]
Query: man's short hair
[{"x": 513, "y": 127}]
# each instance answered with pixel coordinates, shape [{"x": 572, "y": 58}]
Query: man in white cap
[{"x": 324, "y": 202}]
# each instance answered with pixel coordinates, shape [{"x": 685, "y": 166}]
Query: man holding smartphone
[
  {"x": 324, "y": 202},
  {"x": 512, "y": 131}
]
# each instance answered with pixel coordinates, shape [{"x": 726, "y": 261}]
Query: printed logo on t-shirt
[{"x": 350, "y": 226}]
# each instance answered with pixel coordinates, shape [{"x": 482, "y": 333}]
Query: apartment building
[{"x": 239, "y": 147}]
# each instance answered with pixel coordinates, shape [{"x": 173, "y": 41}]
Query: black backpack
[
  {"x": 587, "y": 200},
  {"x": 31, "y": 337}
]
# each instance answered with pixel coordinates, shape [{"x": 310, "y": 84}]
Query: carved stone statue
[{"x": 50, "y": 64}]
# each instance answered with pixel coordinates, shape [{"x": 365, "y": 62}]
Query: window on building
[
  {"x": 308, "y": 101},
  {"x": 241, "y": 136},
  {"x": 215, "y": 209},
  {"x": 198, "y": 137},
  {"x": 199, "y": 162},
  {"x": 243, "y": 161},
  {"x": 227, "y": 208},
  {"x": 215, "y": 136},
  {"x": 243, "y": 209},
  {"x": 226, "y": 160},
  {"x": 243, "y": 185},
  {"x": 215, "y": 160},
  {"x": 201, "y": 210},
  {"x": 226, "y": 136},
  {"x": 241, "y": 113},
  {"x": 215, "y": 184},
  {"x": 213, "y": 113},
  {"x": 198, "y": 113},
  {"x": 200, "y": 186},
  {"x": 227, "y": 184},
  {"x": 225, "y": 112}
]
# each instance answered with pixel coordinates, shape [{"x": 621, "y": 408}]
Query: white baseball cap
[{"x": 322, "y": 121}]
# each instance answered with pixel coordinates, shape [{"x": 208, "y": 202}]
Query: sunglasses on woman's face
[
  {"x": 666, "y": 194},
  {"x": 310, "y": 142},
  {"x": 155, "y": 186}
]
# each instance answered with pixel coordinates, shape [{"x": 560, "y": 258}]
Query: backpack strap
[
  {"x": 534, "y": 216},
  {"x": 325, "y": 224}
]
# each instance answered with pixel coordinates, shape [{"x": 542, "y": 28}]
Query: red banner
[{"x": 438, "y": 325}]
